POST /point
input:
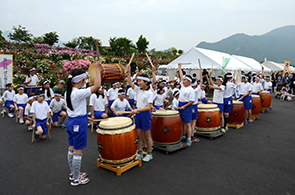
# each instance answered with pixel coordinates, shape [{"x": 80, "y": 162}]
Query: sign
[
  {"x": 286, "y": 67},
  {"x": 6, "y": 69}
]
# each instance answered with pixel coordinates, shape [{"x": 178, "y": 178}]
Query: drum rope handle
[
  {"x": 116, "y": 128},
  {"x": 103, "y": 72},
  {"x": 119, "y": 67}
]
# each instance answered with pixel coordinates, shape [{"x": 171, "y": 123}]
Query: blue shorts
[
  {"x": 9, "y": 103},
  {"x": 77, "y": 131},
  {"x": 42, "y": 124},
  {"x": 131, "y": 102},
  {"x": 110, "y": 104},
  {"x": 48, "y": 102},
  {"x": 186, "y": 114},
  {"x": 250, "y": 101},
  {"x": 55, "y": 116},
  {"x": 204, "y": 101},
  {"x": 246, "y": 101},
  {"x": 220, "y": 106},
  {"x": 23, "y": 106},
  {"x": 121, "y": 114},
  {"x": 227, "y": 104},
  {"x": 143, "y": 120},
  {"x": 97, "y": 115},
  {"x": 158, "y": 107},
  {"x": 195, "y": 112},
  {"x": 269, "y": 90}
]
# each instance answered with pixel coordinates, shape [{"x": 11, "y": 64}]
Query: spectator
[{"x": 60, "y": 88}]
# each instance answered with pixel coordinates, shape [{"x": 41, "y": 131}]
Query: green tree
[
  {"x": 20, "y": 34},
  {"x": 72, "y": 44},
  {"x": 121, "y": 46},
  {"x": 50, "y": 38},
  {"x": 2, "y": 39},
  {"x": 38, "y": 40},
  {"x": 88, "y": 43},
  {"x": 174, "y": 51},
  {"x": 142, "y": 44},
  {"x": 180, "y": 51}
]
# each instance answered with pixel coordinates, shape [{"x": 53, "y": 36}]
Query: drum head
[
  {"x": 115, "y": 123},
  {"x": 255, "y": 96},
  {"x": 207, "y": 106},
  {"x": 265, "y": 92},
  {"x": 165, "y": 113},
  {"x": 237, "y": 102}
]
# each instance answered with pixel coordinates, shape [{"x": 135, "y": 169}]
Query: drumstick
[
  {"x": 211, "y": 67},
  {"x": 199, "y": 63},
  {"x": 129, "y": 62},
  {"x": 149, "y": 60},
  {"x": 124, "y": 112},
  {"x": 208, "y": 79},
  {"x": 96, "y": 120},
  {"x": 185, "y": 63},
  {"x": 238, "y": 74},
  {"x": 173, "y": 107},
  {"x": 97, "y": 51}
]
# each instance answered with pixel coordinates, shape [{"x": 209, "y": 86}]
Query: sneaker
[
  {"x": 30, "y": 128},
  {"x": 62, "y": 125},
  {"x": 222, "y": 130},
  {"x": 183, "y": 138},
  {"x": 147, "y": 158},
  {"x": 270, "y": 108},
  {"x": 82, "y": 174},
  {"x": 21, "y": 121},
  {"x": 250, "y": 120},
  {"x": 197, "y": 140},
  {"x": 36, "y": 137},
  {"x": 139, "y": 156},
  {"x": 188, "y": 142},
  {"x": 10, "y": 115},
  {"x": 226, "y": 128},
  {"x": 144, "y": 151},
  {"x": 81, "y": 180},
  {"x": 245, "y": 122}
]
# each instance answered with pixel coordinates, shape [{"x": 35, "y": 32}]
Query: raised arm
[
  {"x": 201, "y": 78},
  {"x": 180, "y": 72},
  {"x": 154, "y": 76},
  {"x": 129, "y": 79},
  {"x": 97, "y": 82}
]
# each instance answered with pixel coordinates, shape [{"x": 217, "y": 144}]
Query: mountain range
[{"x": 277, "y": 45}]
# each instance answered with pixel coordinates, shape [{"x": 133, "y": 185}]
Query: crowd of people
[{"x": 141, "y": 96}]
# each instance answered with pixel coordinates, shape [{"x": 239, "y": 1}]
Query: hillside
[{"x": 277, "y": 45}]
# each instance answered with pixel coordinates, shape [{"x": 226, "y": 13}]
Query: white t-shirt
[
  {"x": 257, "y": 87},
  {"x": 169, "y": 90},
  {"x": 159, "y": 99},
  {"x": 267, "y": 84},
  {"x": 34, "y": 80},
  {"x": 7, "y": 95},
  {"x": 187, "y": 94},
  {"x": 244, "y": 88},
  {"x": 57, "y": 106},
  {"x": 21, "y": 99},
  {"x": 98, "y": 103},
  {"x": 40, "y": 110},
  {"x": 203, "y": 95},
  {"x": 228, "y": 92},
  {"x": 143, "y": 97},
  {"x": 51, "y": 94},
  {"x": 119, "y": 105},
  {"x": 218, "y": 94},
  {"x": 113, "y": 93},
  {"x": 28, "y": 110},
  {"x": 174, "y": 103},
  {"x": 131, "y": 93},
  {"x": 198, "y": 93},
  {"x": 78, "y": 99},
  {"x": 166, "y": 78}
]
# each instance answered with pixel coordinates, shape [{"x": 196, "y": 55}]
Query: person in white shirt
[
  {"x": 113, "y": 93},
  {"x": 98, "y": 105},
  {"x": 245, "y": 91},
  {"x": 32, "y": 80},
  {"x": 186, "y": 99},
  {"x": 48, "y": 92},
  {"x": 160, "y": 98},
  {"x": 7, "y": 99},
  {"x": 40, "y": 113},
  {"x": 28, "y": 114},
  {"x": 130, "y": 96},
  {"x": 56, "y": 108},
  {"x": 267, "y": 84},
  {"x": 166, "y": 77},
  {"x": 218, "y": 97},
  {"x": 257, "y": 86},
  {"x": 227, "y": 96},
  {"x": 176, "y": 79},
  {"x": 77, "y": 122},
  {"x": 175, "y": 101},
  {"x": 121, "y": 104},
  {"x": 20, "y": 101},
  {"x": 143, "y": 120}
]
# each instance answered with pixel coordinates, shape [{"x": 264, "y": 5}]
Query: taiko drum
[
  {"x": 256, "y": 105},
  {"x": 116, "y": 139},
  {"x": 236, "y": 116},
  {"x": 166, "y": 127},
  {"x": 265, "y": 100},
  {"x": 208, "y": 118},
  {"x": 109, "y": 72}
]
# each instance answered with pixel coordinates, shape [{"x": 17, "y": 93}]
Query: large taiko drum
[
  {"x": 109, "y": 72},
  {"x": 265, "y": 100},
  {"x": 166, "y": 127},
  {"x": 208, "y": 118},
  {"x": 236, "y": 115},
  {"x": 256, "y": 105},
  {"x": 116, "y": 140}
]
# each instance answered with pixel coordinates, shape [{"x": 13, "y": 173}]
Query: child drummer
[
  {"x": 56, "y": 106},
  {"x": 120, "y": 104},
  {"x": 7, "y": 99}
]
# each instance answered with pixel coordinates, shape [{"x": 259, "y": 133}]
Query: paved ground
[{"x": 257, "y": 159}]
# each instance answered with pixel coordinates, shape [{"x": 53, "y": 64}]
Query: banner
[
  {"x": 286, "y": 67},
  {"x": 225, "y": 61},
  {"x": 6, "y": 69}
]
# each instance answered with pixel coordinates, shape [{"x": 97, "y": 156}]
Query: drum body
[
  {"x": 256, "y": 105},
  {"x": 116, "y": 140},
  {"x": 265, "y": 100},
  {"x": 236, "y": 116},
  {"x": 109, "y": 72},
  {"x": 208, "y": 118},
  {"x": 166, "y": 127}
]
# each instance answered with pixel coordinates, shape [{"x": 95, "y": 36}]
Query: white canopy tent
[
  {"x": 291, "y": 68},
  {"x": 256, "y": 66},
  {"x": 273, "y": 66}
]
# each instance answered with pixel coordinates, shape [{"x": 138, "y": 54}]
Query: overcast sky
[{"x": 165, "y": 23}]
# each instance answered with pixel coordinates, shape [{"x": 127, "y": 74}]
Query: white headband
[
  {"x": 203, "y": 85},
  {"x": 220, "y": 79},
  {"x": 20, "y": 88},
  {"x": 122, "y": 93},
  {"x": 229, "y": 76},
  {"x": 193, "y": 84},
  {"x": 57, "y": 94},
  {"x": 31, "y": 98},
  {"x": 256, "y": 77},
  {"x": 32, "y": 69},
  {"x": 187, "y": 78},
  {"x": 143, "y": 78},
  {"x": 47, "y": 81},
  {"x": 177, "y": 93},
  {"x": 78, "y": 78}
]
